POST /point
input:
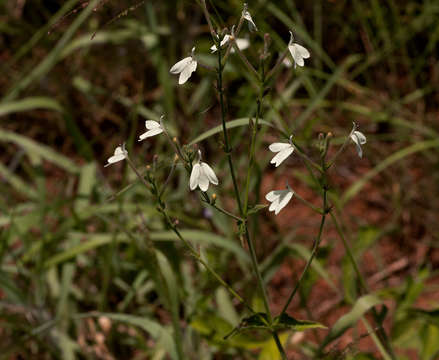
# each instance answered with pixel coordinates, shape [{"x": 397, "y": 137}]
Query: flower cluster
[{"x": 201, "y": 173}]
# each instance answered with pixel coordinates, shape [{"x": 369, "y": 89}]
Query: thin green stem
[
  {"x": 307, "y": 203},
  {"x": 141, "y": 178},
  {"x": 377, "y": 341},
  {"x": 227, "y": 148},
  {"x": 279, "y": 346},
  {"x": 279, "y": 62},
  {"x": 316, "y": 244},
  {"x": 207, "y": 16},
  {"x": 258, "y": 274},
  {"x": 350, "y": 255},
  {"x": 340, "y": 150},
  {"x": 244, "y": 59},
  {"x": 253, "y": 147}
]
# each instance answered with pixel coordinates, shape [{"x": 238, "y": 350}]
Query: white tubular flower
[
  {"x": 279, "y": 199},
  {"x": 246, "y": 15},
  {"x": 185, "y": 68},
  {"x": 283, "y": 150},
  {"x": 359, "y": 139},
  {"x": 119, "y": 154},
  {"x": 224, "y": 41},
  {"x": 153, "y": 127},
  {"x": 201, "y": 175},
  {"x": 298, "y": 52},
  {"x": 241, "y": 43}
]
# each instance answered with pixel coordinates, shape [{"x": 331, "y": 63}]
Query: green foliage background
[{"x": 89, "y": 270}]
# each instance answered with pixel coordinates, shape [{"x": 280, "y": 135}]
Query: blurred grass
[{"x": 89, "y": 270}]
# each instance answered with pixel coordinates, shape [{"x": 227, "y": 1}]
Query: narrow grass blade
[
  {"x": 361, "y": 306},
  {"x": 30, "y": 103},
  {"x": 34, "y": 148},
  {"x": 399, "y": 155}
]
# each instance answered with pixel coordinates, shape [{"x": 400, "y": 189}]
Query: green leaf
[
  {"x": 17, "y": 183},
  {"x": 430, "y": 348},
  {"x": 215, "y": 329},
  {"x": 431, "y": 316},
  {"x": 153, "y": 328},
  {"x": 30, "y": 103},
  {"x": 99, "y": 239},
  {"x": 255, "y": 321},
  {"x": 36, "y": 149},
  {"x": 87, "y": 181},
  {"x": 225, "y": 306},
  {"x": 229, "y": 125},
  {"x": 285, "y": 321},
  {"x": 361, "y": 306}
]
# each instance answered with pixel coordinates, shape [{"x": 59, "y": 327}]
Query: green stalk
[
  {"x": 227, "y": 148},
  {"x": 316, "y": 244},
  {"x": 242, "y": 211},
  {"x": 279, "y": 346},
  {"x": 253, "y": 147}
]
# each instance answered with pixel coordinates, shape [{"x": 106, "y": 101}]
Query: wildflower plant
[{"x": 200, "y": 175}]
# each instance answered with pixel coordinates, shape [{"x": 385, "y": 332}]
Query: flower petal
[
  {"x": 150, "y": 133},
  {"x": 271, "y": 196},
  {"x": 252, "y": 26},
  {"x": 360, "y": 136},
  {"x": 151, "y": 124},
  {"x": 180, "y": 66},
  {"x": 187, "y": 72},
  {"x": 195, "y": 174},
  {"x": 281, "y": 156},
  {"x": 359, "y": 139},
  {"x": 283, "y": 201},
  {"x": 274, "y": 205},
  {"x": 296, "y": 55},
  {"x": 209, "y": 173},
  {"x": 119, "y": 154},
  {"x": 276, "y": 147},
  {"x": 302, "y": 51},
  {"x": 203, "y": 181}
]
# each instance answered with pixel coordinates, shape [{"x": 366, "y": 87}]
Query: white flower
[
  {"x": 283, "y": 151},
  {"x": 246, "y": 15},
  {"x": 201, "y": 175},
  {"x": 279, "y": 199},
  {"x": 241, "y": 43},
  {"x": 224, "y": 41},
  {"x": 154, "y": 128},
  {"x": 298, "y": 52},
  {"x": 359, "y": 139},
  {"x": 119, "y": 154},
  {"x": 185, "y": 68}
]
